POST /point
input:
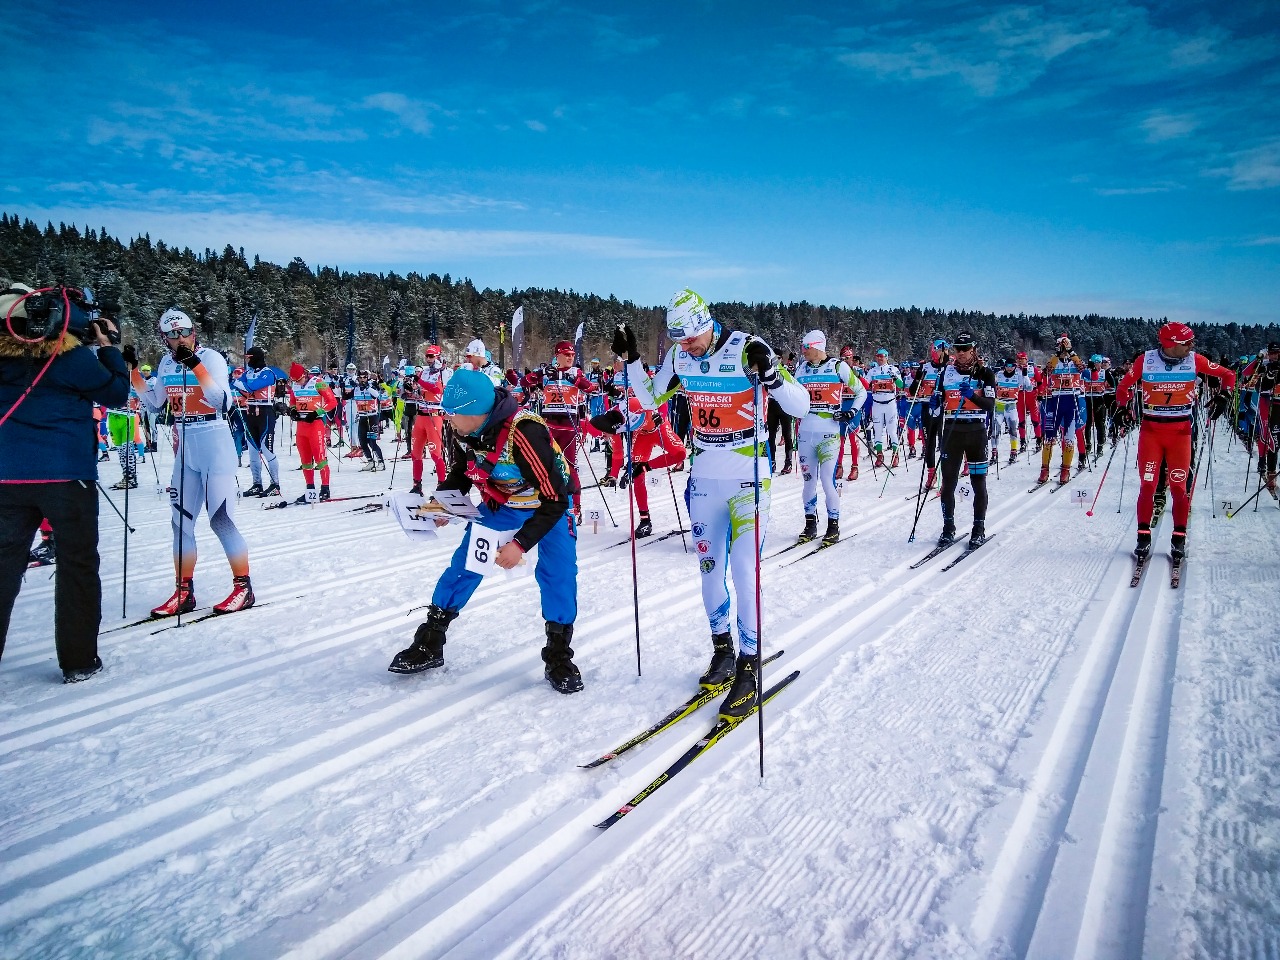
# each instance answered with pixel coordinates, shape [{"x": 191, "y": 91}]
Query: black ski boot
[
  {"x": 948, "y": 532},
  {"x": 1158, "y": 502},
  {"x": 1178, "y": 545},
  {"x": 723, "y": 661},
  {"x": 82, "y": 673},
  {"x": 742, "y": 695},
  {"x": 558, "y": 656},
  {"x": 416, "y": 489},
  {"x": 979, "y": 535},
  {"x": 324, "y": 492},
  {"x": 427, "y": 651},
  {"x": 271, "y": 491},
  {"x": 645, "y": 527},
  {"x": 45, "y": 554},
  {"x": 305, "y": 498},
  {"x": 254, "y": 491},
  {"x": 810, "y": 531},
  {"x": 832, "y": 536},
  {"x": 1143, "y": 549}
]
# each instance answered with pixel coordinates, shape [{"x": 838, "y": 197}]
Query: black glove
[
  {"x": 280, "y": 407},
  {"x": 130, "y": 354},
  {"x": 293, "y": 414},
  {"x": 186, "y": 356},
  {"x": 624, "y": 344},
  {"x": 1123, "y": 420},
  {"x": 1219, "y": 405},
  {"x": 843, "y": 416},
  {"x": 608, "y": 422},
  {"x": 762, "y": 360}
]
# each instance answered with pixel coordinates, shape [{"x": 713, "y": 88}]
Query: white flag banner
[{"x": 517, "y": 339}]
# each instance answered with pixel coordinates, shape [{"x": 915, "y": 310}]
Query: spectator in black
[{"x": 49, "y": 383}]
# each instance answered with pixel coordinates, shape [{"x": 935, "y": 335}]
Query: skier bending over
[{"x": 523, "y": 480}]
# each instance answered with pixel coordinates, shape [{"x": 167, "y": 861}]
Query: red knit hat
[{"x": 297, "y": 371}]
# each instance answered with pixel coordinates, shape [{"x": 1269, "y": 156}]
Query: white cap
[
  {"x": 814, "y": 338},
  {"x": 172, "y": 320},
  {"x": 476, "y": 349}
]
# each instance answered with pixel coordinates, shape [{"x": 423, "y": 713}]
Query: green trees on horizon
[{"x": 303, "y": 312}]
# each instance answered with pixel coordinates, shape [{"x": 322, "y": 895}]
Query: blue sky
[{"x": 1076, "y": 157}]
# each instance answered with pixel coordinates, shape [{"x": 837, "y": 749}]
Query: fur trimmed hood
[{"x": 11, "y": 348}]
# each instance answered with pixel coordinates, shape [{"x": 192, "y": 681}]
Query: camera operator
[{"x": 56, "y": 362}]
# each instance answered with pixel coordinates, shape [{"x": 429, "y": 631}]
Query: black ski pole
[
  {"x": 103, "y": 491},
  {"x": 128, "y": 481},
  {"x": 1125, "y": 472},
  {"x": 757, "y": 399},
  {"x": 631, "y": 501},
  {"x": 182, "y": 489},
  {"x": 675, "y": 502},
  {"x": 594, "y": 476}
]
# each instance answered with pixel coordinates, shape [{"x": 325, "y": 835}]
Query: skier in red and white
[
  {"x": 1028, "y": 406},
  {"x": 852, "y": 400},
  {"x": 428, "y": 425},
  {"x": 564, "y": 396},
  {"x": 1165, "y": 380},
  {"x": 654, "y": 445},
  {"x": 311, "y": 403},
  {"x": 1010, "y": 386}
]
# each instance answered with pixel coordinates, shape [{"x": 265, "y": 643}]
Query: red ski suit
[{"x": 1168, "y": 392}]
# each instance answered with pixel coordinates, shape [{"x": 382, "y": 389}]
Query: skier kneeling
[{"x": 508, "y": 453}]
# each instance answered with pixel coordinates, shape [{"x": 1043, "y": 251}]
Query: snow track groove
[{"x": 442, "y": 815}]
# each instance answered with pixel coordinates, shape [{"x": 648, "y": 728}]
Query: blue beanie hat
[{"x": 469, "y": 392}]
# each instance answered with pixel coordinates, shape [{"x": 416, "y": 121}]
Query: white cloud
[
  {"x": 1255, "y": 169},
  {"x": 1161, "y": 126},
  {"x": 358, "y": 244},
  {"x": 537, "y": 126},
  {"x": 996, "y": 55},
  {"x": 413, "y": 114}
]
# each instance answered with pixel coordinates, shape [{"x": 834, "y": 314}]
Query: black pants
[
  {"x": 930, "y": 426},
  {"x": 1096, "y": 411},
  {"x": 963, "y": 442},
  {"x": 779, "y": 419},
  {"x": 72, "y": 509},
  {"x": 369, "y": 431}
]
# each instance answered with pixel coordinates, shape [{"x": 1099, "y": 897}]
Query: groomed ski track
[{"x": 994, "y": 761}]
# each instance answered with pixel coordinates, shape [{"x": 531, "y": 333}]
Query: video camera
[{"x": 44, "y": 314}]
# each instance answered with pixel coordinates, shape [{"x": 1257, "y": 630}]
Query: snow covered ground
[{"x": 1019, "y": 757}]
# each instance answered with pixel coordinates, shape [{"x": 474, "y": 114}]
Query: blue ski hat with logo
[{"x": 469, "y": 392}]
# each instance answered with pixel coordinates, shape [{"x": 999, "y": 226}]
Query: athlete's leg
[
  {"x": 186, "y": 497},
  {"x": 742, "y": 555},
  {"x": 827, "y": 468},
  {"x": 220, "y": 500}
]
